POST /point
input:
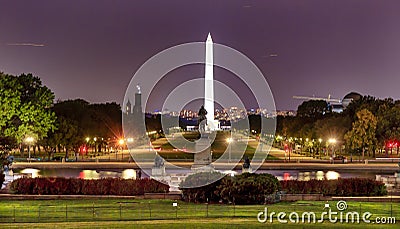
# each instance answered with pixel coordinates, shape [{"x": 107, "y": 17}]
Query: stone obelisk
[{"x": 209, "y": 85}]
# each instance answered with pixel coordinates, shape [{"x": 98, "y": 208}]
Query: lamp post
[
  {"x": 95, "y": 147},
  {"x": 229, "y": 141},
  {"x": 29, "y": 141},
  {"x": 121, "y": 143},
  {"x": 332, "y": 141},
  {"x": 87, "y": 146},
  {"x": 319, "y": 148},
  {"x": 290, "y": 146}
]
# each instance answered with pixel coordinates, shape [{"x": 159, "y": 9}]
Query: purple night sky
[{"x": 90, "y": 49}]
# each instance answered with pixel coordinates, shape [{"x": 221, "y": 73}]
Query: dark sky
[{"x": 90, "y": 49}]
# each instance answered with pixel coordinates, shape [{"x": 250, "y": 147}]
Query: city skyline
[{"x": 90, "y": 50}]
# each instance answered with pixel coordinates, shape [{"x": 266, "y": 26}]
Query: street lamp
[
  {"x": 95, "y": 147},
  {"x": 229, "y": 141},
  {"x": 29, "y": 141},
  {"x": 332, "y": 141},
  {"x": 121, "y": 142},
  {"x": 290, "y": 146},
  {"x": 319, "y": 147}
]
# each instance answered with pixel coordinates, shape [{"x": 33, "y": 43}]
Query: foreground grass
[
  {"x": 123, "y": 213},
  {"x": 219, "y": 223}
]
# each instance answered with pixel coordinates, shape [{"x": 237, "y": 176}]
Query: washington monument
[{"x": 209, "y": 85}]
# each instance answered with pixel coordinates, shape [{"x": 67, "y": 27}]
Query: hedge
[
  {"x": 242, "y": 189},
  {"x": 248, "y": 188},
  {"x": 76, "y": 186},
  {"x": 340, "y": 187},
  {"x": 194, "y": 190}
]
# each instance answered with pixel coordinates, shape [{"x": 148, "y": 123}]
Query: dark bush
[
  {"x": 243, "y": 189},
  {"x": 340, "y": 187},
  {"x": 248, "y": 188},
  {"x": 194, "y": 190},
  {"x": 75, "y": 186}
]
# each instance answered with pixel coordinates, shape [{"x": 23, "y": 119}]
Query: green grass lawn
[
  {"x": 218, "y": 147},
  {"x": 122, "y": 213}
]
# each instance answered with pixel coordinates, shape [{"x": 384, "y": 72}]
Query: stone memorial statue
[
  {"x": 202, "y": 116},
  {"x": 246, "y": 167},
  {"x": 246, "y": 163},
  {"x": 158, "y": 161},
  {"x": 158, "y": 170}
]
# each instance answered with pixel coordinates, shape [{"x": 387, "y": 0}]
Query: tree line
[
  {"x": 366, "y": 126},
  {"x": 29, "y": 116}
]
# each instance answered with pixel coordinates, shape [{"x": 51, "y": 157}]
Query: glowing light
[
  {"x": 121, "y": 141},
  {"x": 332, "y": 140},
  {"x": 129, "y": 174},
  {"x": 319, "y": 175},
  {"x": 332, "y": 175},
  {"x": 33, "y": 172},
  {"x": 320, "y": 140},
  {"x": 29, "y": 140},
  {"x": 229, "y": 140},
  {"x": 87, "y": 139},
  {"x": 130, "y": 140}
]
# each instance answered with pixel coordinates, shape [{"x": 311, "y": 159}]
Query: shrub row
[
  {"x": 340, "y": 187},
  {"x": 76, "y": 186},
  {"x": 242, "y": 189}
]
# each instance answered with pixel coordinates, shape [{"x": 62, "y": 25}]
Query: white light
[
  {"x": 332, "y": 175},
  {"x": 34, "y": 172},
  {"x": 29, "y": 140},
  {"x": 129, "y": 174}
]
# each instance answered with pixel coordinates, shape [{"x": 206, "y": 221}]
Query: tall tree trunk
[
  {"x": 66, "y": 153},
  {"x": 21, "y": 149}
]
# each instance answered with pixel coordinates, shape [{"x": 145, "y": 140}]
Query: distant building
[
  {"x": 350, "y": 97},
  {"x": 286, "y": 113},
  {"x": 134, "y": 117}
]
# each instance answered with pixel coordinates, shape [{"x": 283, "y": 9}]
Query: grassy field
[
  {"x": 123, "y": 213},
  {"x": 218, "y": 147}
]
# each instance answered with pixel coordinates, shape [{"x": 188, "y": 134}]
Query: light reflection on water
[
  {"x": 79, "y": 173},
  {"x": 132, "y": 173}
]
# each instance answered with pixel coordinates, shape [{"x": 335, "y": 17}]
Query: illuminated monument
[{"x": 209, "y": 86}]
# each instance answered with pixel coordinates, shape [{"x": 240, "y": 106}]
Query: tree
[
  {"x": 362, "y": 134},
  {"x": 333, "y": 126},
  {"x": 388, "y": 128},
  {"x": 25, "y": 105},
  {"x": 314, "y": 109}
]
